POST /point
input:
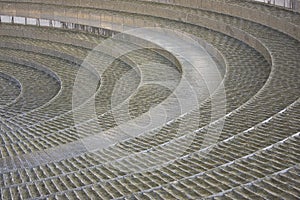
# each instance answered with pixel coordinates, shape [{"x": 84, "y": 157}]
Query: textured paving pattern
[
  {"x": 255, "y": 155},
  {"x": 10, "y": 89}
]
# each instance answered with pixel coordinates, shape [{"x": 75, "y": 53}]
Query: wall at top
[
  {"x": 283, "y": 24},
  {"x": 288, "y": 4}
]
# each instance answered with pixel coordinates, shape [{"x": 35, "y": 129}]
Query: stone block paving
[{"x": 255, "y": 157}]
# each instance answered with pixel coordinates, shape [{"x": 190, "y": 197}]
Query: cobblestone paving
[{"x": 255, "y": 157}]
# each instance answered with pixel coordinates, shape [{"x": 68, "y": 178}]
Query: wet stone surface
[{"x": 45, "y": 153}]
